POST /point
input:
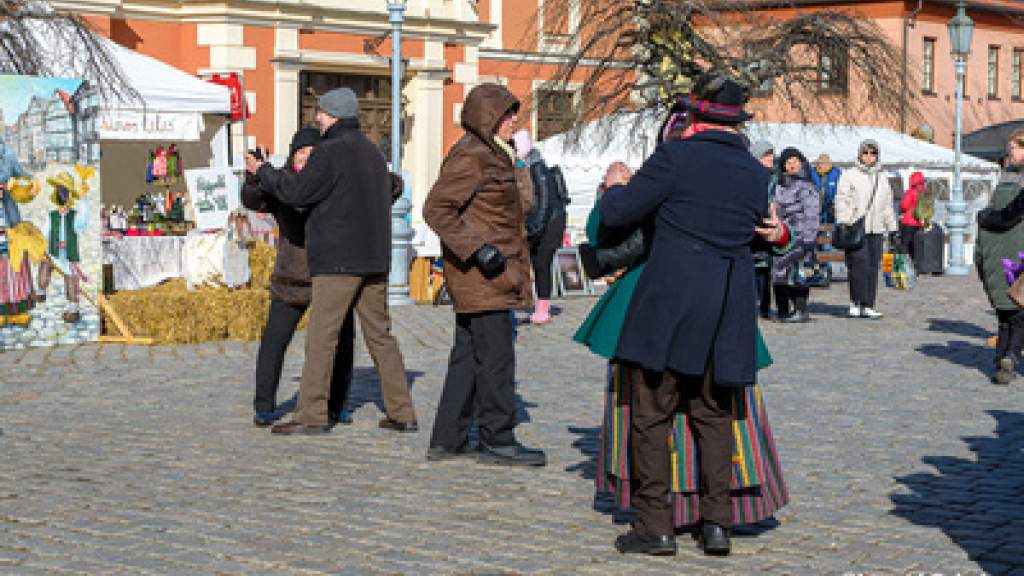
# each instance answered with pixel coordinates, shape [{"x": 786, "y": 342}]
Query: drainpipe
[{"x": 908, "y": 23}]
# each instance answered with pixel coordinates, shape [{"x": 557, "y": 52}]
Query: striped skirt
[
  {"x": 758, "y": 489},
  {"x": 15, "y": 288}
]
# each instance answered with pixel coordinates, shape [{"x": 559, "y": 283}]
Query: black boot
[
  {"x": 714, "y": 539},
  {"x": 633, "y": 543}
]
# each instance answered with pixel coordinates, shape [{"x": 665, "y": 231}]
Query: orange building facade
[
  {"x": 995, "y": 67},
  {"x": 288, "y": 52}
]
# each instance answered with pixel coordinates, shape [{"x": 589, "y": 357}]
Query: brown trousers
[
  {"x": 656, "y": 398},
  {"x": 333, "y": 296}
]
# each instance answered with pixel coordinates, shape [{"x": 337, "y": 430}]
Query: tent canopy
[
  {"x": 632, "y": 137},
  {"x": 165, "y": 88},
  {"x": 990, "y": 141}
]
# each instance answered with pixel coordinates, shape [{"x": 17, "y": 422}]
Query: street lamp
[
  {"x": 961, "y": 29},
  {"x": 401, "y": 232}
]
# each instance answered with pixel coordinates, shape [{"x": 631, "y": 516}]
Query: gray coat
[{"x": 797, "y": 201}]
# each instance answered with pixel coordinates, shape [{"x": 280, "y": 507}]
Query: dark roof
[{"x": 990, "y": 142}]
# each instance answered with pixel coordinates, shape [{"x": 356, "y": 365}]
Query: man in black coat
[
  {"x": 689, "y": 333},
  {"x": 346, "y": 189}
]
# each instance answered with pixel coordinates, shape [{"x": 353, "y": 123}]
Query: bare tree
[
  {"x": 627, "y": 55},
  {"x": 38, "y": 40}
]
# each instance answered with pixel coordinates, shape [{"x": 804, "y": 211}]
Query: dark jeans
[
  {"x": 862, "y": 267},
  {"x": 763, "y": 281},
  {"x": 786, "y": 295},
  {"x": 1010, "y": 337},
  {"x": 907, "y": 235},
  {"x": 480, "y": 382},
  {"x": 656, "y": 397},
  {"x": 542, "y": 254},
  {"x": 281, "y": 324}
]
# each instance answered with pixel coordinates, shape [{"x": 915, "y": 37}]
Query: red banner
[{"x": 239, "y": 106}]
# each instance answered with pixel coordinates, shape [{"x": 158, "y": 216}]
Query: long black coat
[
  {"x": 345, "y": 188},
  {"x": 695, "y": 301}
]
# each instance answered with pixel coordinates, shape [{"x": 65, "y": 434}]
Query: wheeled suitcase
[{"x": 929, "y": 247}]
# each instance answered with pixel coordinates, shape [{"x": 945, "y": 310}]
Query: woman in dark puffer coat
[{"x": 796, "y": 197}]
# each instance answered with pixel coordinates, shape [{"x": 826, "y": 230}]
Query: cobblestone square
[{"x": 900, "y": 458}]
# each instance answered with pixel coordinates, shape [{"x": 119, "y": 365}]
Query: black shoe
[
  {"x": 633, "y": 543},
  {"x": 511, "y": 455},
  {"x": 263, "y": 419},
  {"x": 439, "y": 453},
  {"x": 799, "y": 318},
  {"x": 389, "y": 424},
  {"x": 714, "y": 539}
]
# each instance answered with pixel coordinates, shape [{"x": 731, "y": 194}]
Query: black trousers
[
  {"x": 907, "y": 235},
  {"x": 542, "y": 254},
  {"x": 656, "y": 398},
  {"x": 862, "y": 267},
  {"x": 788, "y": 298},
  {"x": 277, "y": 335},
  {"x": 1010, "y": 337},
  {"x": 480, "y": 382},
  {"x": 763, "y": 281}
]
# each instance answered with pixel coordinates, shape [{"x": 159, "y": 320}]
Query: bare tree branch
[
  {"x": 37, "y": 40},
  {"x": 825, "y": 65}
]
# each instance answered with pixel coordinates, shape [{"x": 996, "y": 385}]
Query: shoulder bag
[{"x": 851, "y": 236}]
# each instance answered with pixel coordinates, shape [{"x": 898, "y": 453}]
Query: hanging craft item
[{"x": 160, "y": 164}]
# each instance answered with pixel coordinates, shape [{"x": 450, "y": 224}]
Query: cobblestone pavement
[{"x": 899, "y": 455}]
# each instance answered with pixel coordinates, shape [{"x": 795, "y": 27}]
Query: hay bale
[
  {"x": 172, "y": 314},
  {"x": 261, "y": 263}
]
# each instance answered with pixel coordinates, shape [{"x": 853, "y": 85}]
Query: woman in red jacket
[{"x": 909, "y": 224}]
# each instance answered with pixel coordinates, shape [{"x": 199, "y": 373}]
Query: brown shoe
[
  {"x": 298, "y": 428},
  {"x": 389, "y": 424},
  {"x": 72, "y": 317}
]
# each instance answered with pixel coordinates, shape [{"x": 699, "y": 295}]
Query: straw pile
[{"x": 172, "y": 314}]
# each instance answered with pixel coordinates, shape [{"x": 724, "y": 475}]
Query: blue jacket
[
  {"x": 828, "y": 193},
  {"x": 10, "y": 168},
  {"x": 695, "y": 299}
]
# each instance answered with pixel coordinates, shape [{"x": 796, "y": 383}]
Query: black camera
[{"x": 257, "y": 153}]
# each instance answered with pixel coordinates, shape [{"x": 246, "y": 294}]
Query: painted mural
[{"x": 50, "y": 247}]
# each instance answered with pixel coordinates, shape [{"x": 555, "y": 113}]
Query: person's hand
[
  {"x": 253, "y": 164},
  {"x": 490, "y": 261},
  {"x": 772, "y": 228},
  {"x": 618, "y": 174}
]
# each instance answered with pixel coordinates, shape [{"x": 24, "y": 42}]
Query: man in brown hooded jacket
[{"x": 478, "y": 208}]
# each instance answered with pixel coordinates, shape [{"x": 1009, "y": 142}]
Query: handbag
[
  {"x": 808, "y": 273},
  {"x": 1016, "y": 291},
  {"x": 851, "y": 236}
]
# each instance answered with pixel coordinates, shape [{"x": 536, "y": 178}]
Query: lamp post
[
  {"x": 401, "y": 232},
  {"x": 961, "y": 29}
]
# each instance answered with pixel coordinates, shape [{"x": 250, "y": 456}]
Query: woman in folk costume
[
  {"x": 15, "y": 272},
  {"x": 758, "y": 488}
]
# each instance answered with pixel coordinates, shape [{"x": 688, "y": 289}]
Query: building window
[
  {"x": 928, "y": 59},
  {"x": 993, "y": 71},
  {"x": 1015, "y": 75},
  {"x": 833, "y": 70},
  {"x": 557, "y": 18},
  {"x": 756, "y": 56},
  {"x": 556, "y": 112}
]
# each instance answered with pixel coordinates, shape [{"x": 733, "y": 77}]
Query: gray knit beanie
[{"x": 340, "y": 103}]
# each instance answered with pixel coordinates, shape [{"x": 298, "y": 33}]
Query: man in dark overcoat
[{"x": 689, "y": 333}]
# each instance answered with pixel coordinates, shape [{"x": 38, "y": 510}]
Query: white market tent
[
  {"x": 165, "y": 88},
  {"x": 631, "y": 138}
]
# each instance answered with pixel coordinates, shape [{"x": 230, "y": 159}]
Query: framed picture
[
  {"x": 214, "y": 193},
  {"x": 569, "y": 271}
]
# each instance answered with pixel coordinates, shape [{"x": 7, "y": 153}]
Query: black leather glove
[{"x": 490, "y": 261}]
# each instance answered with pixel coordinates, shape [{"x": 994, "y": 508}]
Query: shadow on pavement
[
  {"x": 958, "y": 327},
  {"x": 589, "y": 445},
  {"x": 965, "y": 354},
  {"x": 978, "y": 503},
  {"x": 822, "y": 309},
  {"x": 366, "y": 388}
]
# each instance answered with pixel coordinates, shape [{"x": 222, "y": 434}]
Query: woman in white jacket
[{"x": 864, "y": 192}]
